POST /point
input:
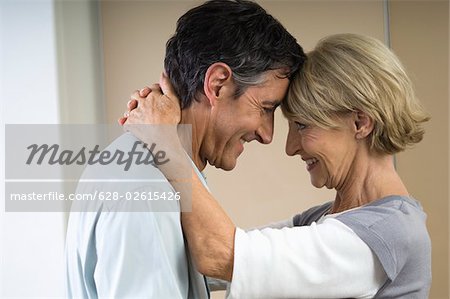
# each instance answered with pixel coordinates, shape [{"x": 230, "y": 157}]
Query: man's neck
[{"x": 196, "y": 116}]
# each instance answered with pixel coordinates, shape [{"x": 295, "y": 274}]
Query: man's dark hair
[{"x": 238, "y": 33}]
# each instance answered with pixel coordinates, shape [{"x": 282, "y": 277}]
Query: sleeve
[
  {"x": 276, "y": 225},
  {"x": 326, "y": 260},
  {"x": 133, "y": 261},
  {"x": 215, "y": 284}
]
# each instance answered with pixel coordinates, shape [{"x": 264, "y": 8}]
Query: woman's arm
[
  {"x": 208, "y": 229},
  {"x": 210, "y": 233}
]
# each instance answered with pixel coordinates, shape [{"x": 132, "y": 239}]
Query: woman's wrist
[{"x": 165, "y": 138}]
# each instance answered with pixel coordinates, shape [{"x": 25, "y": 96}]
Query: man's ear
[
  {"x": 364, "y": 124},
  {"x": 218, "y": 82}
]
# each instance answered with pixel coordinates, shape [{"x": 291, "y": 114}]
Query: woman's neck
[{"x": 370, "y": 179}]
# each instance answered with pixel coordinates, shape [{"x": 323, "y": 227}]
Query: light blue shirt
[{"x": 116, "y": 254}]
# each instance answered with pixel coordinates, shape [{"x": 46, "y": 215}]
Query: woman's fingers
[
  {"x": 156, "y": 88},
  {"x": 122, "y": 120},
  {"x": 144, "y": 92},
  {"x": 132, "y": 104},
  {"x": 154, "y": 104}
]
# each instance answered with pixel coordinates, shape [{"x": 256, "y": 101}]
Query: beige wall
[
  {"x": 267, "y": 185},
  {"x": 423, "y": 46},
  {"x": 134, "y": 39}
]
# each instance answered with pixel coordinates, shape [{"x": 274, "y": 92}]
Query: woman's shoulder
[
  {"x": 394, "y": 228},
  {"x": 312, "y": 214},
  {"x": 387, "y": 211}
]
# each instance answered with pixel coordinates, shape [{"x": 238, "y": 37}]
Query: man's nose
[{"x": 265, "y": 131}]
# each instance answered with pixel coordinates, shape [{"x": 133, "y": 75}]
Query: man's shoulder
[
  {"x": 125, "y": 166},
  {"x": 113, "y": 187},
  {"x": 116, "y": 175}
]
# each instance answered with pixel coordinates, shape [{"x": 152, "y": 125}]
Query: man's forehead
[{"x": 278, "y": 85}]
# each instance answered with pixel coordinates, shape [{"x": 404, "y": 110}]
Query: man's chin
[
  {"x": 226, "y": 165},
  {"x": 227, "y": 168}
]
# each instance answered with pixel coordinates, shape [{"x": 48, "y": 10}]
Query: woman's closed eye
[{"x": 300, "y": 126}]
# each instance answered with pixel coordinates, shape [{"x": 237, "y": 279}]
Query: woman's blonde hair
[{"x": 350, "y": 72}]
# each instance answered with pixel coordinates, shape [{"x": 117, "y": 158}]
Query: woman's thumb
[{"x": 166, "y": 85}]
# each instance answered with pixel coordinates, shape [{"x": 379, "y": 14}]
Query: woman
[{"x": 350, "y": 108}]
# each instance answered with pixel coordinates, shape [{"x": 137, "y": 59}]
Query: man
[{"x": 230, "y": 63}]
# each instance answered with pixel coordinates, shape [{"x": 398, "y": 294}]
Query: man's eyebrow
[{"x": 274, "y": 103}]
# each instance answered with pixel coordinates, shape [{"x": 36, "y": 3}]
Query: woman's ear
[
  {"x": 364, "y": 125},
  {"x": 218, "y": 82}
]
